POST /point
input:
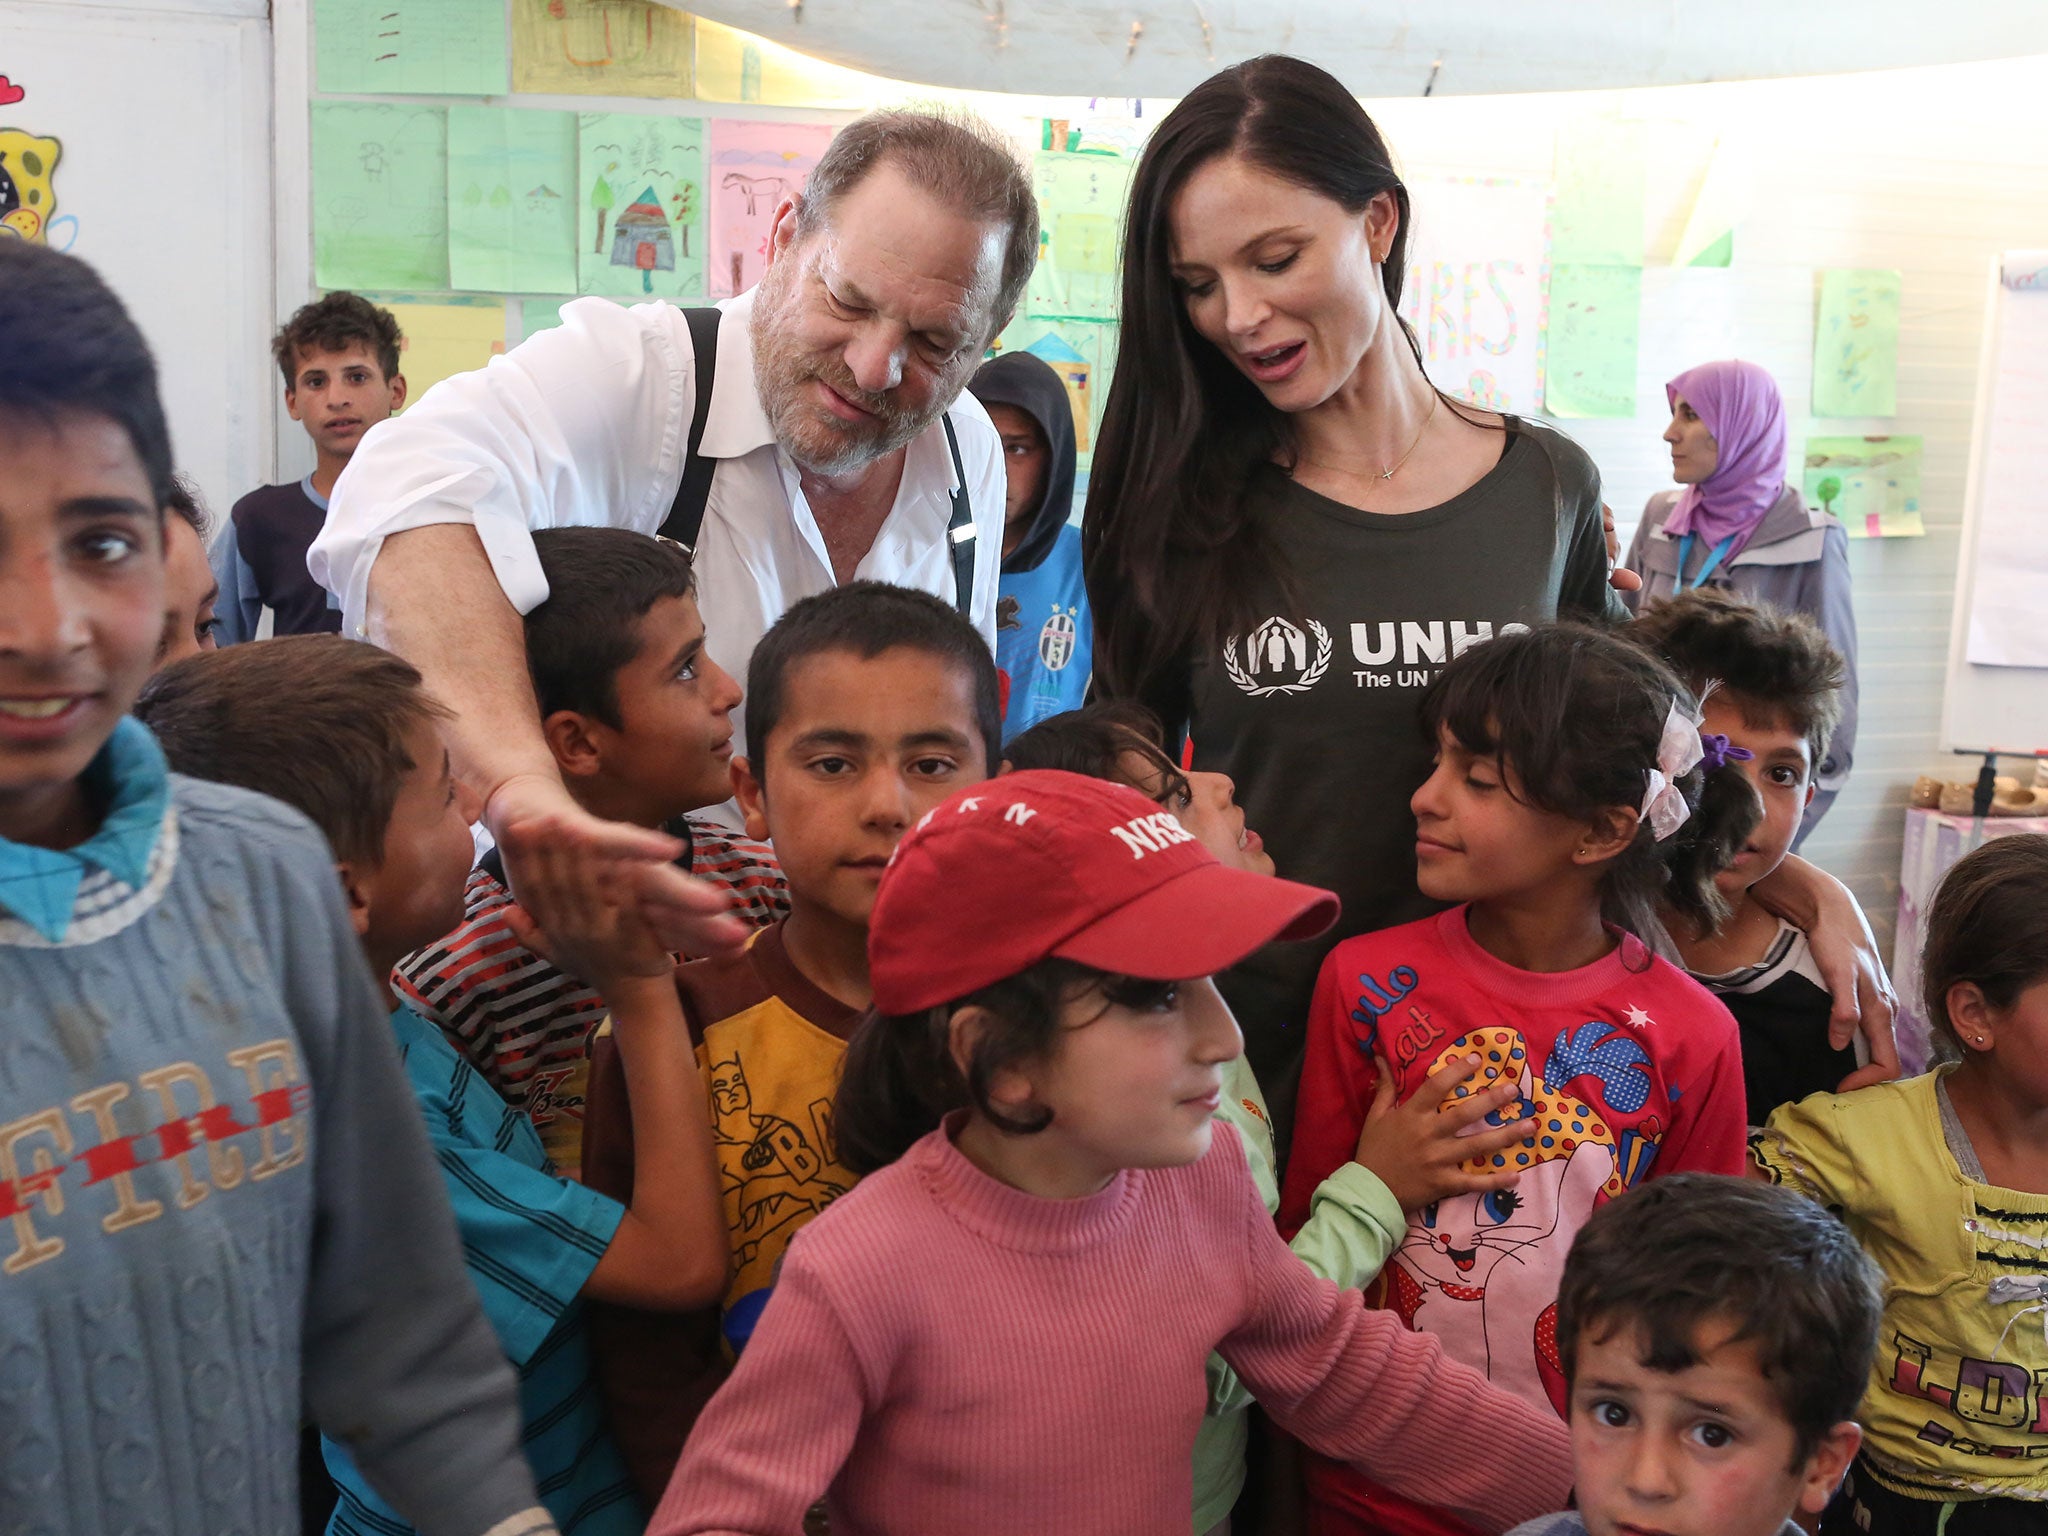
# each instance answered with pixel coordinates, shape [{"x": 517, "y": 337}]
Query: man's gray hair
[{"x": 955, "y": 156}]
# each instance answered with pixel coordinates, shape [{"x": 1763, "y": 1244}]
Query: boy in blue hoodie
[{"x": 1044, "y": 641}]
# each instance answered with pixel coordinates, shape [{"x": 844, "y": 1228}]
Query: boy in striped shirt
[
  {"x": 639, "y": 719},
  {"x": 347, "y": 733}
]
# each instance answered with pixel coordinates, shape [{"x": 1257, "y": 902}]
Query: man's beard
[{"x": 812, "y": 436}]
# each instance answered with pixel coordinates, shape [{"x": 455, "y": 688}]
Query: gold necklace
[{"x": 1428, "y": 416}]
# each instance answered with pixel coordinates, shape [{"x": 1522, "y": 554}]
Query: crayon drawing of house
[
  {"x": 1073, "y": 370},
  {"x": 643, "y": 240}
]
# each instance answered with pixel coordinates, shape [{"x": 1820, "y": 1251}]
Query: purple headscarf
[{"x": 1739, "y": 402}]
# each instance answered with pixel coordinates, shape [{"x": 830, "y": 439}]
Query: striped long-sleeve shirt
[{"x": 523, "y": 1023}]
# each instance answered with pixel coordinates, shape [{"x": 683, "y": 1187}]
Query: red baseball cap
[{"x": 1040, "y": 864}]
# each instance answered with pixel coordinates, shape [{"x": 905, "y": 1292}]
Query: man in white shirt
[{"x": 887, "y": 279}]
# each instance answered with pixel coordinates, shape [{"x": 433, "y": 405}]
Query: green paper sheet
[
  {"x": 1590, "y": 369},
  {"x": 640, "y": 227},
  {"x": 1856, "y": 344},
  {"x": 511, "y": 214},
  {"x": 411, "y": 47},
  {"x": 1083, "y": 354},
  {"x": 1597, "y": 218},
  {"x": 1871, "y": 483},
  {"x": 380, "y": 196},
  {"x": 1081, "y": 215},
  {"x": 537, "y": 315}
]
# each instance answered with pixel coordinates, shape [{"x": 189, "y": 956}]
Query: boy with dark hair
[
  {"x": 339, "y": 358},
  {"x": 866, "y": 706},
  {"x": 346, "y": 733},
  {"x": 639, "y": 718},
  {"x": 1771, "y": 688},
  {"x": 1716, "y": 1334},
  {"x": 1044, "y": 639},
  {"x": 185, "y": 1001}
]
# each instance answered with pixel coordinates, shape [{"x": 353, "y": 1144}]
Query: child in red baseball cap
[{"x": 1002, "y": 1329}]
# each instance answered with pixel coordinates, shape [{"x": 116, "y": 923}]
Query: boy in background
[
  {"x": 866, "y": 706},
  {"x": 1045, "y": 643},
  {"x": 339, "y": 358},
  {"x": 187, "y": 1268},
  {"x": 347, "y": 733},
  {"x": 639, "y": 718},
  {"x": 1717, "y": 1335},
  {"x": 1771, "y": 684}
]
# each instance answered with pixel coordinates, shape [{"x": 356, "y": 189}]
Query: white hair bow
[{"x": 1679, "y": 751}]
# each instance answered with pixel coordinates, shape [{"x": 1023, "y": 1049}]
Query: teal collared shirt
[{"x": 40, "y": 885}]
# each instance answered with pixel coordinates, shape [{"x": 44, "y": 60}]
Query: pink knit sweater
[{"x": 947, "y": 1356}]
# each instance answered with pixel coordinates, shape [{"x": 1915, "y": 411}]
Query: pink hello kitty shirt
[{"x": 1631, "y": 1068}]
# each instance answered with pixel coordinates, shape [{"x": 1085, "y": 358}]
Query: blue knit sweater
[{"x": 218, "y": 1210}]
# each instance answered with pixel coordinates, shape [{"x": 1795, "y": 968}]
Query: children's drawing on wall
[
  {"x": 1856, "y": 344},
  {"x": 754, "y": 166},
  {"x": 640, "y": 205},
  {"x": 1871, "y": 483},
  {"x": 1081, "y": 201},
  {"x": 1591, "y": 330},
  {"x": 511, "y": 226},
  {"x": 28, "y": 189},
  {"x": 601, "y": 48},
  {"x": 1473, "y": 291},
  {"x": 380, "y": 196}
]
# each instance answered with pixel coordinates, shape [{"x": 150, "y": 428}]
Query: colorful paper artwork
[
  {"x": 640, "y": 228},
  {"x": 380, "y": 196},
  {"x": 511, "y": 221},
  {"x": 410, "y": 47},
  {"x": 601, "y": 48},
  {"x": 1473, "y": 291},
  {"x": 1598, "y": 216},
  {"x": 28, "y": 189},
  {"x": 1856, "y": 344},
  {"x": 1871, "y": 483},
  {"x": 735, "y": 66},
  {"x": 1083, "y": 354},
  {"x": 443, "y": 335},
  {"x": 1590, "y": 368},
  {"x": 754, "y": 166},
  {"x": 1081, "y": 201}
]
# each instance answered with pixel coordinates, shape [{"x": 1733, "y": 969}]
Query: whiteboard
[
  {"x": 2001, "y": 608},
  {"x": 163, "y": 184}
]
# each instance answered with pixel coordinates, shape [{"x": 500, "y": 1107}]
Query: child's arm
[
  {"x": 774, "y": 1438},
  {"x": 1418, "y": 1150},
  {"x": 1337, "y": 1082},
  {"x": 1351, "y": 1382},
  {"x": 670, "y": 1252},
  {"x": 399, "y": 1364}
]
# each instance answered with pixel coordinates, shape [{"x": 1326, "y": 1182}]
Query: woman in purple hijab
[{"x": 1737, "y": 523}]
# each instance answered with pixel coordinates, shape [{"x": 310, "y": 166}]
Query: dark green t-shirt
[{"x": 1314, "y": 713}]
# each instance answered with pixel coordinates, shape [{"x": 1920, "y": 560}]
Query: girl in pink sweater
[{"x": 1003, "y": 1328}]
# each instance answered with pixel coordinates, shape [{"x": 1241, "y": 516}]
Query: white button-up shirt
[{"x": 588, "y": 425}]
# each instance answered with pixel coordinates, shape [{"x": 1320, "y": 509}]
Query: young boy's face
[
  {"x": 190, "y": 591},
  {"x": 1706, "y": 1451},
  {"x": 1781, "y": 770},
  {"x": 415, "y": 894},
  {"x": 864, "y": 747},
  {"x": 1026, "y": 459},
  {"x": 81, "y": 610},
  {"x": 339, "y": 396},
  {"x": 672, "y": 750}
]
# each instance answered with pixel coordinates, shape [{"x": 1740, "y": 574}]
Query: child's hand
[
  {"x": 597, "y": 927},
  {"x": 1415, "y": 1147}
]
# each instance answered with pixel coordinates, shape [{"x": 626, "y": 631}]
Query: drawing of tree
[
  {"x": 473, "y": 195},
  {"x": 1828, "y": 490},
  {"x": 602, "y": 199},
  {"x": 501, "y": 197},
  {"x": 685, "y": 199}
]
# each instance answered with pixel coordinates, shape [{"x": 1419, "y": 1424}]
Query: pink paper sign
[{"x": 754, "y": 166}]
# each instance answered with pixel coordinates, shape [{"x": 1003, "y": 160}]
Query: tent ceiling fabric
[{"x": 1381, "y": 47}]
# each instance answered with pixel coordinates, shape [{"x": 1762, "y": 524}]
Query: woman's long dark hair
[{"x": 1171, "y": 559}]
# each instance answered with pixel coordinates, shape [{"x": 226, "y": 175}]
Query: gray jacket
[{"x": 1798, "y": 560}]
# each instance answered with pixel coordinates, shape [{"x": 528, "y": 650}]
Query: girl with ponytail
[{"x": 1571, "y": 798}]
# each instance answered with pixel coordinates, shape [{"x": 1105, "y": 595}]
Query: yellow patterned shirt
[{"x": 1958, "y": 1398}]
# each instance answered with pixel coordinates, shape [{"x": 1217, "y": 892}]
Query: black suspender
[
  {"x": 686, "y": 513},
  {"x": 685, "y": 518}
]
